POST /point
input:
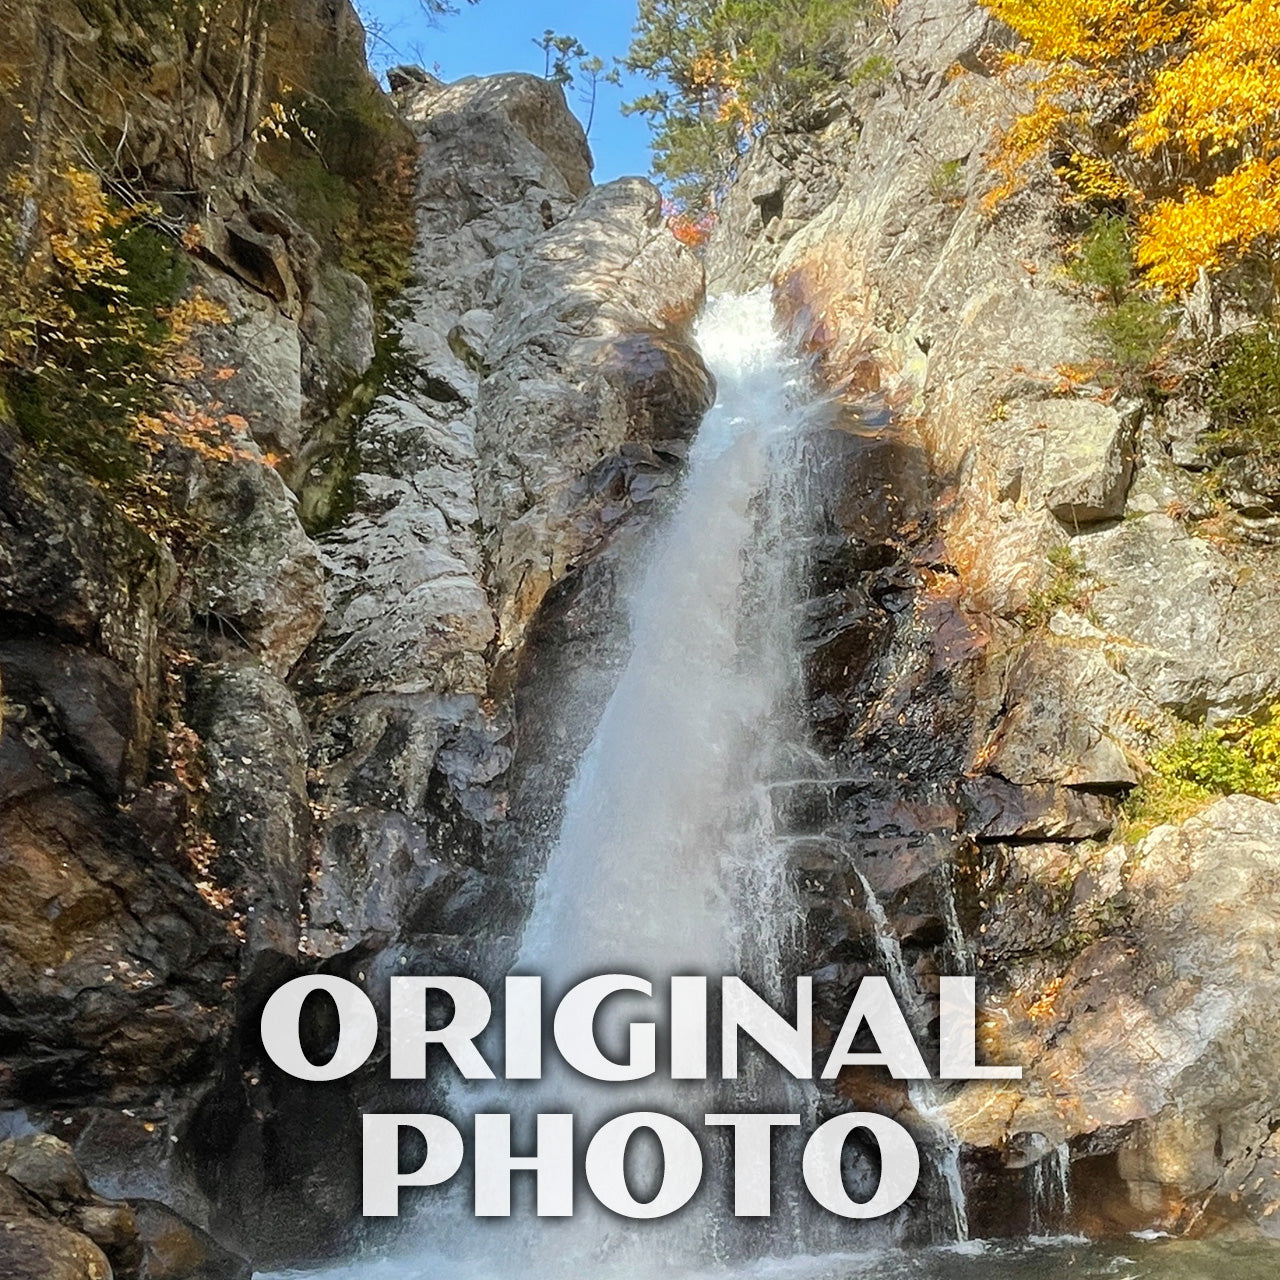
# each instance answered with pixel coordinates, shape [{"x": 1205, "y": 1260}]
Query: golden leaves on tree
[{"x": 1168, "y": 107}]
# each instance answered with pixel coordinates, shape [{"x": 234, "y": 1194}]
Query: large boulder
[
  {"x": 53, "y": 1226},
  {"x": 1065, "y": 744},
  {"x": 34, "y": 1245},
  {"x": 526, "y": 116},
  {"x": 1155, "y": 1047},
  {"x": 589, "y": 351},
  {"x": 46, "y": 1167},
  {"x": 338, "y": 330},
  {"x": 258, "y": 583},
  {"x": 255, "y": 752},
  {"x": 257, "y": 357},
  {"x": 81, "y": 591},
  {"x": 112, "y": 965},
  {"x": 1199, "y": 630},
  {"x": 175, "y": 1249}
]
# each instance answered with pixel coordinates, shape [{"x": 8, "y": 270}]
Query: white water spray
[{"x": 666, "y": 861}]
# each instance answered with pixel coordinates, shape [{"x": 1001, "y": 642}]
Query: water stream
[
  {"x": 664, "y": 861},
  {"x": 1050, "y": 1191},
  {"x": 667, "y": 861},
  {"x": 943, "y": 1145}
]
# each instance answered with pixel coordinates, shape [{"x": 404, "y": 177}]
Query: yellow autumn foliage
[
  {"x": 97, "y": 332},
  {"x": 1171, "y": 107}
]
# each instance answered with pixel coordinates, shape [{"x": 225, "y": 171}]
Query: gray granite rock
[{"x": 1088, "y": 459}]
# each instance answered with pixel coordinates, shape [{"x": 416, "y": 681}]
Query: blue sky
[{"x": 498, "y": 35}]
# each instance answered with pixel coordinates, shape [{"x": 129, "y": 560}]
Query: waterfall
[
  {"x": 667, "y": 860},
  {"x": 944, "y": 1147},
  {"x": 1050, "y": 1191},
  {"x": 663, "y": 859},
  {"x": 958, "y": 952}
]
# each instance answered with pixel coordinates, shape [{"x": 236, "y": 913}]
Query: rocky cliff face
[
  {"x": 1014, "y": 613},
  {"x": 285, "y": 744},
  {"x": 323, "y": 724}
]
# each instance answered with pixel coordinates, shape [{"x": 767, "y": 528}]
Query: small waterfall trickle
[
  {"x": 944, "y": 1146},
  {"x": 959, "y": 954},
  {"x": 1050, "y": 1191}
]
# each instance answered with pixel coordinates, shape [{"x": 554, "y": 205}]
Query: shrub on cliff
[
  {"x": 94, "y": 329},
  {"x": 1132, "y": 328},
  {"x": 1200, "y": 765},
  {"x": 347, "y": 164}
]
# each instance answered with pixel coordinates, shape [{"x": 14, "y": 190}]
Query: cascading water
[
  {"x": 667, "y": 861},
  {"x": 959, "y": 954},
  {"x": 1050, "y": 1191},
  {"x": 944, "y": 1149},
  {"x": 662, "y": 855}
]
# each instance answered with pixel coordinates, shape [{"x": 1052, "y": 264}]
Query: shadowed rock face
[
  {"x": 272, "y": 751},
  {"x": 989, "y": 671}
]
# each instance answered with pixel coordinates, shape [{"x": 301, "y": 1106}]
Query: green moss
[
  {"x": 325, "y": 483},
  {"x": 348, "y": 169},
  {"x": 872, "y": 70},
  {"x": 946, "y": 182},
  {"x": 322, "y": 201}
]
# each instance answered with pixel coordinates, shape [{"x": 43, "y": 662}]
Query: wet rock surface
[
  {"x": 990, "y": 672},
  {"x": 1155, "y": 1039}
]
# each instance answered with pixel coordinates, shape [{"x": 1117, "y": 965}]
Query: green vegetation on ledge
[
  {"x": 1202, "y": 765},
  {"x": 1244, "y": 393},
  {"x": 347, "y": 164},
  {"x": 89, "y": 325},
  {"x": 1068, "y": 585}
]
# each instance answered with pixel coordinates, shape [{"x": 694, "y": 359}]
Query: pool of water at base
[{"x": 1060, "y": 1258}]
